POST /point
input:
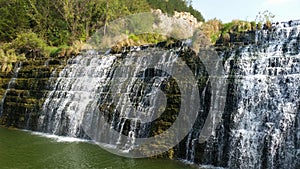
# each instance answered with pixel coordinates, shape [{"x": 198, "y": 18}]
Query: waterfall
[
  {"x": 123, "y": 99},
  {"x": 265, "y": 131},
  {"x": 16, "y": 70},
  {"x": 118, "y": 101},
  {"x": 74, "y": 89}
]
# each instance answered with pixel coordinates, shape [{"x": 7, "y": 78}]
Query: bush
[
  {"x": 218, "y": 32},
  {"x": 253, "y": 25},
  {"x": 212, "y": 29},
  {"x": 29, "y": 44},
  {"x": 65, "y": 50},
  {"x": 226, "y": 37},
  {"x": 8, "y": 58},
  {"x": 259, "y": 25},
  {"x": 51, "y": 51},
  {"x": 147, "y": 38}
]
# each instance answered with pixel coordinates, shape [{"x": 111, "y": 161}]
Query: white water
[
  {"x": 268, "y": 80},
  {"x": 95, "y": 97},
  {"x": 11, "y": 82},
  {"x": 75, "y": 88},
  {"x": 264, "y": 131},
  {"x": 59, "y": 139}
]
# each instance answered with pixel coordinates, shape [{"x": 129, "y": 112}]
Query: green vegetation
[
  {"x": 42, "y": 28},
  {"x": 169, "y": 6},
  {"x": 62, "y": 22},
  {"x": 8, "y": 58},
  {"x": 212, "y": 29},
  {"x": 220, "y": 32},
  {"x": 29, "y": 44},
  {"x": 151, "y": 38}
]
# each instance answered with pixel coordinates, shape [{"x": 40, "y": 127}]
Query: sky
[{"x": 227, "y": 10}]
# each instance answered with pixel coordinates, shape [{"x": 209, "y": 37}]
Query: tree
[
  {"x": 137, "y": 6},
  {"x": 169, "y": 6},
  {"x": 61, "y": 22},
  {"x": 13, "y": 19}
]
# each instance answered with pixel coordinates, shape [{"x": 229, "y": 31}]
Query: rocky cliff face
[
  {"x": 24, "y": 89},
  {"x": 260, "y": 127}
]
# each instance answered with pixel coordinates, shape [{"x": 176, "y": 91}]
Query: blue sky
[{"x": 227, "y": 10}]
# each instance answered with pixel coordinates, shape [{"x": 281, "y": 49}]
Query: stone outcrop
[
  {"x": 189, "y": 17},
  {"x": 182, "y": 24},
  {"x": 24, "y": 97}
]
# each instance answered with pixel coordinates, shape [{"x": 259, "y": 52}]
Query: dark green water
[{"x": 22, "y": 150}]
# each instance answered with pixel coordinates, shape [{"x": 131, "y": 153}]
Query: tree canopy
[
  {"x": 169, "y": 6},
  {"x": 62, "y": 22}
]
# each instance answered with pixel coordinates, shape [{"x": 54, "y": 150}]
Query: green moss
[{"x": 51, "y": 51}]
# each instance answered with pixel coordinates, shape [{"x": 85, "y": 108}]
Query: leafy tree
[
  {"x": 137, "y": 6},
  {"x": 169, "y": 6},
  {"x": 13, "y": 19},
  {"x": 62, "y": 22},
  {"x": 47, "y": 21}
]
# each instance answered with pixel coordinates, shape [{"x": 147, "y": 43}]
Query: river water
[{"x": 24, "y": 149}]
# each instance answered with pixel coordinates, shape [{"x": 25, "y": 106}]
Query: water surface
[{"x": 22, "y": 150}]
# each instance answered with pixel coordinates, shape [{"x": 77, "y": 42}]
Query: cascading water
[
  {"x": 265, "y": 131},
  {"x": 11, "y": 82},
  {"x": 75, "y": 88},
  {"x": 261, "y": 123},
  {"x": 260, "y": 127},
  {"x": 94, "y": 93}
]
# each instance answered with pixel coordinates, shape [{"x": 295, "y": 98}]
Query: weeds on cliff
[
  {"x": 30, "y": 44},
  {"x": 8, "y": 59}
]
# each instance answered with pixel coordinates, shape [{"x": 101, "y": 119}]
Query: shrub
[
  {"x": 259, "y": 25},
  {"x": 226, "y": 37},
  {"x": 29, "y": 44},
  {"x": 212, "y": 29},
  {"x": 253, "y": 25},
  {"x": 268, "y": 25},
  {"x": 51, "y": 51},
  {"x": 64, "y": 50},
  {"x": 147, "y": 38},
  {"x": 8, "y": 58}
]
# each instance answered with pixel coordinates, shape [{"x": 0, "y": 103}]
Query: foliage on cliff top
[
  {"x": 8, "y": 58},
  {"x": 215, "y": 30},
  {"x": 222, "y": 32},
  {"x": 169, "y": 6},
  {"x": 58, "y": 28},
  {"x": 62, "y": 22}
]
